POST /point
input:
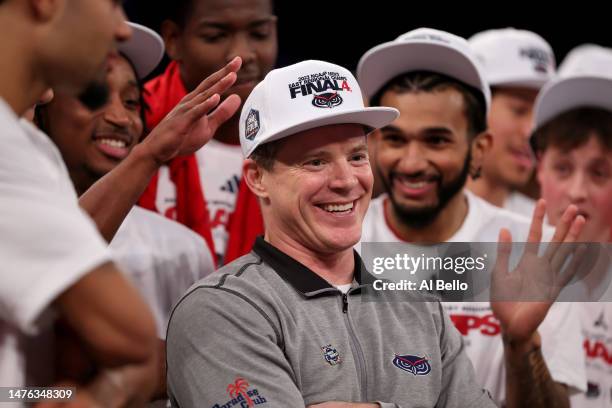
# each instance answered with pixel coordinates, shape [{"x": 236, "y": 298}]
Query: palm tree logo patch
[{"x": 242, "y": 395}]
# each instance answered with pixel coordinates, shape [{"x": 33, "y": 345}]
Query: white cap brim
[
  {"x": 386, "y": 61},
  {"x": 144, "y": 49},
  {"x": 373, "y": 118},
  {"x": 564, "y": 94}
]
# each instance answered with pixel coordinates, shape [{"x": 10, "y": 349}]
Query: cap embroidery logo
[
  {"x": 327, "y": 100},
  {"x": 325, "y": 88},
  {"x": 331, "y": 355},
  {"x": 539, "y": 58},
  {"x": 251, "y": 125},
  {"x": 412, "y": 364}
]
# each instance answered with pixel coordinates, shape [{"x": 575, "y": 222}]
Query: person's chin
[{"x": 340, "y": 239}]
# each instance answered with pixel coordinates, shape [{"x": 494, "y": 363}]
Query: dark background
[{"x": 341, "y": 31}]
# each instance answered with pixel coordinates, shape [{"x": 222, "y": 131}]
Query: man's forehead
[{"x": 345, "y": 137}]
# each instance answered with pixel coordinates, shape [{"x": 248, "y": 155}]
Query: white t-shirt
[
  {"x": 162, "y": 258},
  {"x": 48, "y": 243},
  {"x": 560, "y": 330},
  {"x": 596, "y": 321},
  {"x": 220, "y": 169},
  {"x": 519, "y": 203}
]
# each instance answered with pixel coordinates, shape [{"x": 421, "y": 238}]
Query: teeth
[
  {"x": 338, "y": 208},
  {"x": 416, "y": 185},
  {"x": 113, "y": 143}
]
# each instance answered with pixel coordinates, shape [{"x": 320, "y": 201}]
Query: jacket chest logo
[
  {"x": 413, "y": 364},
  {"x": 331, "y": 355}
]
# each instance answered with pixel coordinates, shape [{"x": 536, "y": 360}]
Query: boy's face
[{"x": 583, "y": 177}]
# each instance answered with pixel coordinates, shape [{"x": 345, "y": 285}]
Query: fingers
[
  {"x": 572, "y": 269},
  {"x": 567, "y": 247},
  {"x": 231, "y": 68},
  {"x": 218, "y": 88},
  {"x": 504, "y": 249},
  {"x": 224, "y": 111},
  {"x": 563, "y": 227},
  {"x": 535, "y": 230}
]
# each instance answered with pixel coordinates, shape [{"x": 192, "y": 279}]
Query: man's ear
[
  {"x": 171, "y": 32},
  {"x": 254, "y": 177},
  {"x": 481, "y": 145}
]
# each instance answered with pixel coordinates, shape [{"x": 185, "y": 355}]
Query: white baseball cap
[
  {"x": 421, "y": 49},
  {"x": 144, "y": 49},
  {"x": 584, "y": 80},
  {"x": 304, "y": 96},
  {"x": 512, "y": 57}
]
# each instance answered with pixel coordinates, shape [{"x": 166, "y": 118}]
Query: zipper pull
[{"x": 344, "y": 303}]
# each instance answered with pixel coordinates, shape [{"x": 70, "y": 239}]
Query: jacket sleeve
[{"x": 221, "y": 347}]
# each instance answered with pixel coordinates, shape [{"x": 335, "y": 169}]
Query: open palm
[
  {"x": 196, "y": 118},
  {"x": 520, "y": 299}
]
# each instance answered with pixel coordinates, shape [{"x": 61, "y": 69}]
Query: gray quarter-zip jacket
[{"x": 266, "y": 331}]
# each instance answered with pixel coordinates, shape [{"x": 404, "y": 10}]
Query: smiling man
[{"x": 285, "y": 325}]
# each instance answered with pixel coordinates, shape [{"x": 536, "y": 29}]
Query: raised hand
[
  {"x": 520, "y": 299},
  {"x": 194, "y": 121}
]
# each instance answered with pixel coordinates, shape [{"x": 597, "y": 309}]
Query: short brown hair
[
  {"x": 573, "y": 129},
  {"x": 265, "y": 154}
]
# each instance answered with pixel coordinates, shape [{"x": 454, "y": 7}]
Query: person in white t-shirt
[
  {"x": 161, "y": 257},
  {"x": 516, "y": 64},
  {"x": 200, "y": 36},
  {"x": 423, "y": 160},
  {"x": 573, "y": 144},
  {"x": 56, "y": 260}
]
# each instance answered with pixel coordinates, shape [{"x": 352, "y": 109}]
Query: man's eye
[{"x": 436, "y": 140}]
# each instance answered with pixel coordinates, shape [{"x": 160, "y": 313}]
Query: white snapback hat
[
  {"x": 584, "y": 80},
  {"x": 304, "y": 96},
  {"x": 511, "y": 57},
  {"x": 421, "y": 49},
  {"x": 144, "y": 49}
]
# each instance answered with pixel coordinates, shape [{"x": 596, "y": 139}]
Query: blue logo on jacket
[
  {"x": 413, "y": 364},
  {"x": 331, "y": 355}
]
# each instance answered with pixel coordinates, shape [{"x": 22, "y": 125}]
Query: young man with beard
[
  {"x": 55, "y": 262},
  {"x": 162, "y": 258},
  {"x": 287, "y": 325},
  {"x": 516, "y": 64},
  {"x": 201, "y": 36},
  {"x": 423, "y": 159},
  {"x": 573, "y": 144}
]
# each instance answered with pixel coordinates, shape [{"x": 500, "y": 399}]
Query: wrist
[
  {"x": 522, "y": 346},
  {"x": 143, "y": 154}
]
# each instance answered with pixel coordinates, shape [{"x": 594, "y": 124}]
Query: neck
[
  {"x": 494, "y": 192},
  {"x": 446, "y": 224},
  {"x": 336, "y": 268},
  {"x": 83, "y": 180}
]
